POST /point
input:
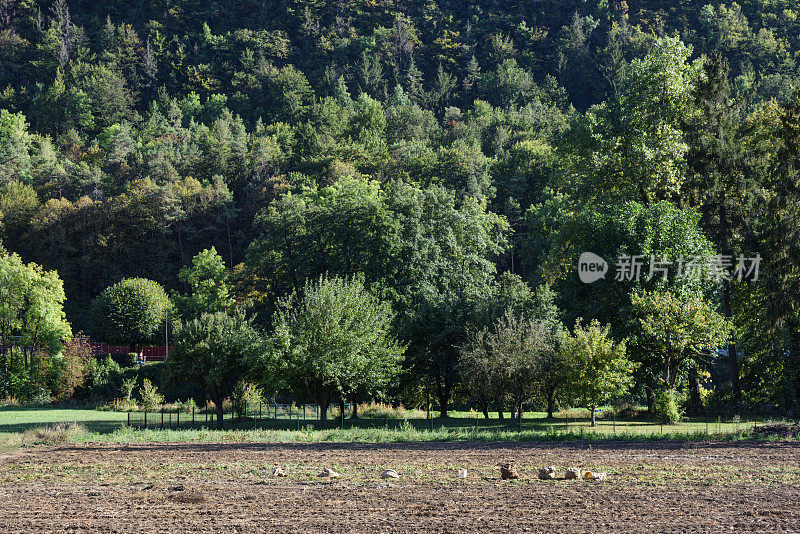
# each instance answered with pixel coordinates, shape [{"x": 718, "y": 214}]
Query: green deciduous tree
[
  {"x": 32, "y": 316},
  {"x": 599, "y": 369},
  {"x": 209, "y": 283},
  {"x": 634, "y": 147},
  {"x": 131, "y": 312},
  {"x": 678, "y": 331},
  {"x": 341, "y": 229},
  {"x": 511, "y": 357},
  {"x": 333, "y": 339},
  {"x": 215, "y": 351},
  {"x": 15, "y": 145}
]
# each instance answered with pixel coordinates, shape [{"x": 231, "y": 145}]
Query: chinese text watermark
[{"x": 633, "y": 268}]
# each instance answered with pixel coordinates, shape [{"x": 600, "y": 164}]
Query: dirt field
[{"x": 652, "y": 487}]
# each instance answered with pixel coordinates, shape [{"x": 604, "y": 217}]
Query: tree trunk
[
  {"x": 323, "y": 410},
  {"x": 485, "y": 408},
  {"x": 220, "y": 413},
  {"x": 341, "y": 408},
  {"x": 499, "y": 404},
  {"x": 551, "y": 403},
  {"x": 593, "y": 409},
  {"x": 353, "y": 409},
  {"x": 519, "y": 415},
  {"x": 733, "y": 359},
  {"x": 648, "y": 393},
  {"x": 428, "y": 406},
  {"x": 695, "y": 401},
  {"x": 794, "y": 367},
  {"x": 444, "y": 397}
]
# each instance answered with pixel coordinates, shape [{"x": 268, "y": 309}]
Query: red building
[{"x": 151, "y": 354}]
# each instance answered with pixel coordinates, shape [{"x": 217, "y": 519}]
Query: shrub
[
  {"x": 27, "y": 390},
  {"x": 245, "y": 394},
  {"x": 103, "y": 373},
  {"x": 188, "y": 406},
  {"x": 120, "y": 405},
  {"x": 626, "y": 410},
  {"x": 56, "y": 376},
  {"x": 127, "y": 387},
  {"x": 150, "y": 396},
  {"x": 379, "y": 410},
  {"x": 125, "y": 359},
  {"x": 668, "y": 405}
]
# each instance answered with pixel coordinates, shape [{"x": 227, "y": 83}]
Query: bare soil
[{"x": 220, "y": 487}]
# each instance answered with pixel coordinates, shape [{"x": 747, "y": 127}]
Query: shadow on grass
[{"x": 22, "y": 418}]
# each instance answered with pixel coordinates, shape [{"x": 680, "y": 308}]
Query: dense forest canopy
[{"x": 456, "y": 157}]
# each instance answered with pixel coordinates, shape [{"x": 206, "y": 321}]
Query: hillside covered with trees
[{"x": 389, "y": 199}]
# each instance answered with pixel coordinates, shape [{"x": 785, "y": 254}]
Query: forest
[{"x": 364, "y": 199}]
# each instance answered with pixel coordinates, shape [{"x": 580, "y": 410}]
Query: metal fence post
[
  {"x": 162, "y": 417},
  {"x": 179, "y": 418},
  {"x": 145, "y": 418},
  {"x": 129, "y": 418}
]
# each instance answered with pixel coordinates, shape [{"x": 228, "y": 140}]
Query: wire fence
[
  {"x": 253, "y": 415},
  {"x": 307, "y": 416}
]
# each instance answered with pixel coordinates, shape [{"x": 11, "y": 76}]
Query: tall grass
[
  {"x": 379, "y": 410},
  {"x": 407, "y": 434},
  {"x": 59, "y": 434}
]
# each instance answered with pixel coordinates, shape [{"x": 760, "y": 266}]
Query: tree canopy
[
  {"x": 333, "y": 339},
  {"x": 131, "y": 312}
]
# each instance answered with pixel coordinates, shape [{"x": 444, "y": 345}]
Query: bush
[
  {"x": 125, "y": 359},
  {"x": 245, "y": 394},
  {"x": 668, "y": 405},
  {"x": 379, "y": 410},
  {"x": 59, "y": 375},
  {"x": 104, "y": 373},
  {"x": 189, "y": 406},
  {"x": 150, "y": 396},
  {"x": 27, "y": 390},
  {"x": 127, "y": 387},
  {"x": 120, "y": 405},
  {"x": 626, "y": 410},
  {"x": 58, "y": 434}
]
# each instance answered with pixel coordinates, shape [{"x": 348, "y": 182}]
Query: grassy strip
[{"x": 62, "y": 434}]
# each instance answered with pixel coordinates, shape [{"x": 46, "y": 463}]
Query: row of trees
[
  {"x": 337, "y": 339},
  {"x": 333, "y": 341},
  {"x": 521, "y": 360}
]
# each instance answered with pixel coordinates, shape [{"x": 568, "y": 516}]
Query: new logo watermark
[
  {"x": 633, "y": 268},
  {"x": 591, "y": 267}
]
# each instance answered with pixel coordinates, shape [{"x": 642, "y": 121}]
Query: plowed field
[{"x": 207, "y": 487}]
